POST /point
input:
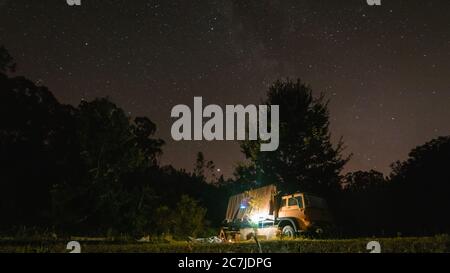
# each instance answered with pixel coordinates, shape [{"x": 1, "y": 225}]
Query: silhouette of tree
[
  {"x": 7, "y": 63},
  {"x": 144, "y": 129},
  {"x": 37, "y": 149},
  {"x": 116, "y": 154},
  {"x": 364, "y": 207},
  {"x": 204, "y": 168},
  {"x": 421, "y": 186},
  {"x": 306, "y": 159},
  {"x": 93, "y": 169},
  {"x": 361, "y": 181},
  {"x": 188, "y": 218}
]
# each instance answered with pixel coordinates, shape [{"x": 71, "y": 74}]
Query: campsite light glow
[{"x": 257, "y": 217}]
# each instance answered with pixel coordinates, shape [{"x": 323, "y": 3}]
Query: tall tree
[
  {"x": 37, "y": 148},
  {"x": 116, "y": 155},
  {"x": 306, "y": 159},
  {"x": 204, "y": 168},
  {"x": 87, "y": 169}
]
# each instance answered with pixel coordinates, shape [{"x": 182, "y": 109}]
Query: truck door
[{"x": 291, "y": 208}]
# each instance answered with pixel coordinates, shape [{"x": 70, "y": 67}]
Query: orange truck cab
[
  {"x": 265, "y": 211},
  {"x": 303, "y": 212}
]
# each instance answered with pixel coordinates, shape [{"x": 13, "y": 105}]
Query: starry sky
[{"x": 385, "y": 69}]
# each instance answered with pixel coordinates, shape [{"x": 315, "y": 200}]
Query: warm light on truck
[{"x": 255, "y": 218}]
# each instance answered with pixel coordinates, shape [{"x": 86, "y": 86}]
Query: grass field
[{"x": 435, "y": 244}]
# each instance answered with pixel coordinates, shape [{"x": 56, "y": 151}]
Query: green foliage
[
  {"x": 436, "y": 244},
  {"x": 162, "y": 220},
  {"x": 188, "y": 218}
]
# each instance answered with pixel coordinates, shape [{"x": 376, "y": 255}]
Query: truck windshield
[
  {"x": 292, "y": 202},
  {"x": 296, "y": 201},
  {"x": 315, "y": 202}
]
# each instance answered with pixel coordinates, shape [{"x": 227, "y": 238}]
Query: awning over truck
[{"x": 252, "y": 204}]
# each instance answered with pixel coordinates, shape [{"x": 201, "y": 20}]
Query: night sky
[{"x": 385, "y": 69}]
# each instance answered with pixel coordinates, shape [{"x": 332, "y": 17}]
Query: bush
[{"x": 188, "y": 218}]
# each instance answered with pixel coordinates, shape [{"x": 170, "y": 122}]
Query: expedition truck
[{"x": 266, "y": 212}]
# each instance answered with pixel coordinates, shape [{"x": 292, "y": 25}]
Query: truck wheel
[{"x": 288, "y": 231}]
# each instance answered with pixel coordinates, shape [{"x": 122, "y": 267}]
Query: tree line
[{"x": 92, "y": 169}]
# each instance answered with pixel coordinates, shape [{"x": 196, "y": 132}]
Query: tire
[
  {"x": 288, "y": 232},
  {"x": 318, "y": 233}
]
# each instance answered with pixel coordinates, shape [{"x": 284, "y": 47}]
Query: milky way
[{"x": 385, "y": 69}]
